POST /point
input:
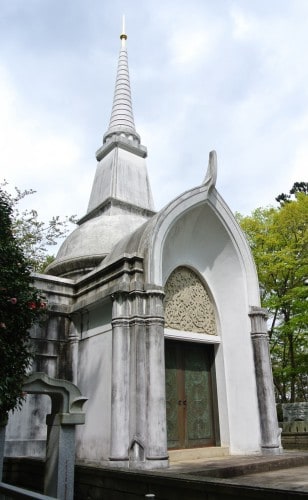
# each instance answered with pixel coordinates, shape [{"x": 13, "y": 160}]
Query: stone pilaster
[
  {"x": 157, "y": 455},
  {"x": 138, "y": 378},
  {"x": 73, "y": 340},
  {"x": 138, "y": 418},
  {"x": 120, "y": 381},
  {"x": 270, "y": 432}
]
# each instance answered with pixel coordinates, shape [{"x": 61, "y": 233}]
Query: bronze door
[{"x": 190, "y": 418}]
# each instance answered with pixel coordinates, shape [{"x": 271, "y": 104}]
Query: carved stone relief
[{"x": 187, "y": 304}]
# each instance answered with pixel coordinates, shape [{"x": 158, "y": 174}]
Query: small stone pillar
[
  {"x": 60, "y": 455},
  {"x": 66, "y": 413},
  {"x": 270, "y": 432}
]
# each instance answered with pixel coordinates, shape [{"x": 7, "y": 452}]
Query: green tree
[
  {"x": 298, "y": 187},
  {"x": 34, "y": 236},
  {"x": 20, "y": 306},
  {"x": 278, "y": 238}
]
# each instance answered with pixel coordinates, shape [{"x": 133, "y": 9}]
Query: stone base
[
  {"x": 295, "y": 435},
  {"x": 186, "y": 455},
  {"x": 268, "y": 450},
  {"x": 147, "y": 464}
]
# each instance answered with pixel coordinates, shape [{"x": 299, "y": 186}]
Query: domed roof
[{"x": 89, "y": 244}]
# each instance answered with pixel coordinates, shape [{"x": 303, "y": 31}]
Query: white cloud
[
  {"x": 33, "y": 154},
  {"x": 225, "y": 75},
  {"x": 189, "y": 47},
  {"x": 243, "y": 25},
  {"x": 298, "y": 170}
]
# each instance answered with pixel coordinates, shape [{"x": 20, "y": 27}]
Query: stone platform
[{"x": 283, "y": 477}]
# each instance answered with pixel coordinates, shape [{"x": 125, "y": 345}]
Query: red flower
[
  {"x": 43, "y": 305},
  {"x": 13, "y": 300},
  {"x": 32, "y": 305}
]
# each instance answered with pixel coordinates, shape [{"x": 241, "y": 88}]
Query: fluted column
[
  {"x": 157, "y": 455},
  {"x": 139, "y": 382},
  {"x": 270, "y": 432},
  {"x": 73, "y": 339},
  {"x": 120, "y": 381}
]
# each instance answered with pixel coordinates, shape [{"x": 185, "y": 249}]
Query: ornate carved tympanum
[{"x": 188, "y": 306}]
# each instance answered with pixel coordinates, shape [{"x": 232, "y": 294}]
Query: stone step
[{"x": 186, "y": 455}]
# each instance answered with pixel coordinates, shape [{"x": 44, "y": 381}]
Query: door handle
[{"x": 180, "y": 402}]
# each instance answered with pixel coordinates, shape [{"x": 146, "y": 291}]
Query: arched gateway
[{"x": 156, "y": 318}]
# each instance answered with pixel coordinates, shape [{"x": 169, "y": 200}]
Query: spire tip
[{"x": 123, "y": 35}]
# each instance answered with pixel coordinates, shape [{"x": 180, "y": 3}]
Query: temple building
[{"x": 155, "y": 317}]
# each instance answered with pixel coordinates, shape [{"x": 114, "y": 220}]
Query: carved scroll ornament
[{"x": 187, "y": 304}]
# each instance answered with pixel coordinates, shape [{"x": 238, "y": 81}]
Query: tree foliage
[
  {"x": 34, "y": 236},
  {"x": 298, "y": 187},
  {"x": 20, "y": 306},
  {"x": 279, "y": 241}
]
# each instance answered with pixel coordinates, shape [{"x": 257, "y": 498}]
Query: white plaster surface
[
  {"x": 26, "y": 430},
  {"x": 121, "y": 175},
  {"x": 199, "y": 240},
  {"x": 94, "y": 381},
  {"x": 97, "y": 236}
]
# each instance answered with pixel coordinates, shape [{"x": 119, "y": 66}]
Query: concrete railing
[{"x": 8, "y": 492}]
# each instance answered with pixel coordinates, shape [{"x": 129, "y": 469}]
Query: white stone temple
[{"x": 155, "y": 317}]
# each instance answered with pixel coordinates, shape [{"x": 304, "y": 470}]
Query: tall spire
[
  {"x": 122, "y": 118},
  {"x": 121, "y": 183}
]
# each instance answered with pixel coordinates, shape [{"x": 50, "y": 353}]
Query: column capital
[
  {"x": 258, "y": 317},
  {"x": 258, "y": 311}
]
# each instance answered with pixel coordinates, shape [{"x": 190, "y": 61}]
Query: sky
[{"x": 229, "y": 75}]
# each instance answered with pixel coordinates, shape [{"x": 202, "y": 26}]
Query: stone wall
[
  {"x": 294, "y": 435},
  {"x": 93, "y": 483}
]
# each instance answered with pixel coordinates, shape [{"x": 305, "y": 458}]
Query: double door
[{"x": 189, "y": 395}]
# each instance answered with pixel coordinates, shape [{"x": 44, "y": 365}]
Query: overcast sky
[{"x": 205, "y": 74}]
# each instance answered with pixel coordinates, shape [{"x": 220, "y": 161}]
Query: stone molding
[{"x": 66, "y": 397}]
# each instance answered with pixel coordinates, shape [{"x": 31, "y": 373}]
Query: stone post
[
  {"x": 270, "y": 432},
  {"x": 120, "y": 381},
  {"x": 157, "y": 455},
  {"x": 2, "y": 443},
  {"x": 66, "y": 412},
  {"x": 60, "y": 455}
]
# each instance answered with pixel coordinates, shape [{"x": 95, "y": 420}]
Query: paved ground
[
  {"x": 288, "y": 471},
  {"x": 294, "y": 479}
]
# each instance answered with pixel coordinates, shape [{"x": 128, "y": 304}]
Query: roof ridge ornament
[{"x": 211, "y": 173}]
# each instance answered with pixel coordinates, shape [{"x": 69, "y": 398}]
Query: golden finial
[{"x": 123, "y": 35}]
